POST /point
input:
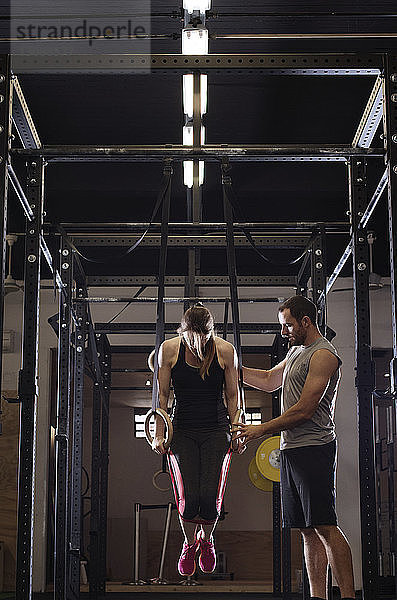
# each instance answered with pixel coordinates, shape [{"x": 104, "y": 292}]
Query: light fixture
[
  {"x": 194, "y": 41},
  {"x": 188, "y": 164},
  {"x": 188, "y": 173},
  {"x": 188, "y": 135},
  {"x": 201, "y": 5},
  {"x": 188, "y": 94}
]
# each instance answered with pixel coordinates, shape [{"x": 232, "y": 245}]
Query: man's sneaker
[
  {"x": 187, "y": 562},
  {"x": 207, "y": 560}
]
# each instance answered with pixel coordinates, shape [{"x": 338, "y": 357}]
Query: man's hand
[
  {"x": 158, "y": 445},
  {"x": 248, "y": 432}
]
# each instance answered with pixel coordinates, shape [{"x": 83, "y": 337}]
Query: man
[{"x": 309, "y": 378}]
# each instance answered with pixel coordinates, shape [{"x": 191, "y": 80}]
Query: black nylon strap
[
  {"x": 232, "y": 271},
  {"x": 234, "y": 203},
  {"x": 165, "y": 184},
  {"x": 160, "y": 318}
]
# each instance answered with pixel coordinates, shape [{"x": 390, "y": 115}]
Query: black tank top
[{"x": 198, "y": 402}]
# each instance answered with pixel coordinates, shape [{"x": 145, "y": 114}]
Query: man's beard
[{"x": 298, "y": 339}]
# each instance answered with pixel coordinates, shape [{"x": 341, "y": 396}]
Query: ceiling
[{"x": 243, "y": 108}]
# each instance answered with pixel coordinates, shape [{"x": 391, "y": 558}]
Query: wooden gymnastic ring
[
  {"x": 167, "y": 421},
  {"x": 150, "y": 360},
  {"x": 238, "y": 417},
  {"x": 157, "y": 473}
]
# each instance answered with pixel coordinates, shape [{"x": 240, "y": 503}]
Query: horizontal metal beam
[
  {"x": 371, "y": 118},
  {"x": 193, "y": 241},
  {"x": 300, "y": 36},
  {"x": 286, "y": 152},
  {"x": 279, "y": 227},
  {"x": 271, "y": 64},
  {"x": 179, "y": 280},
  {"x": 135, "y": 328},
  {"x": 177, "y": 300}
]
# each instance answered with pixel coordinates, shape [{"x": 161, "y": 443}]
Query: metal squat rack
[{"x": 80, "y": 343}]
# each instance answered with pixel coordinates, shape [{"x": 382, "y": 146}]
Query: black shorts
[{"x": 308, "y": 485}]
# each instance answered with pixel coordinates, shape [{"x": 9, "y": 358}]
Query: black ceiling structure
[{"x": 245, "y": 107}]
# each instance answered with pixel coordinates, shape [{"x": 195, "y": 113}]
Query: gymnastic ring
[
  {"x": 150, "y": 360},
  {"x": 157, "y": 473},
  {"x": 167, "y": 421},
  {"x": 238, "y": 417}
]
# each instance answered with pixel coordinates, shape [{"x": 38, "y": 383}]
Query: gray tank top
[{"x": 320, "y": 429}]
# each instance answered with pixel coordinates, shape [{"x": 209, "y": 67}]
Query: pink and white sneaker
[
  {"x": 187, "y": 562},
  {"x": 207, "y": 559}
]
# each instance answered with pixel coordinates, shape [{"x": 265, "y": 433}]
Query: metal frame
[
  {"x": 5, "y": 134},
  {"x": 364, "y": 378},
  {"x": 390, "y": 123},
  {"x": 374, "y": 64},
  {"x": 281, "y": 536},
  {"x": 27, "y": 386},
  {"x": 73, "y": 590},
  {"x": 62, "y": 487}
]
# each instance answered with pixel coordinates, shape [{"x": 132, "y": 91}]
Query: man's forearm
[
  {"x": 288, "y": 420},
  {"x": 257, "y": 378},
  {"x": 291, "y": 418}
]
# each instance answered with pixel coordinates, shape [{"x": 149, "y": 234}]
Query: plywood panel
[
  {"x": 9, "y": 487},
  {"x": 249, "y": 554}
]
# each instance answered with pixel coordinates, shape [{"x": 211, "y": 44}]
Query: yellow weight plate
[
  {"x": 257, "y": 479},
  {"x": 268, "y": 458}
]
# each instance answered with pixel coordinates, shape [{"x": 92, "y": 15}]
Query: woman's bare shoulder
[
  {"x": 171, "y": 344},
  {"x": 224, "y": 346}
]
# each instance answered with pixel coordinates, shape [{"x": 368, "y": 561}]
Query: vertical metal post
[
  {"x": 61, "y": 538},
  {"x": 95, "y": 565},
  {"x": 278, "y": 353},
  {"x": 137, "y": 523},
  {"x": 164, "y": 544},
  {"x": 281, "y": 535},
  {"x": 364, "y": 378},
  {"x": 319, "y": 278},
  {"x": 27, "y": 388},
  {"x": 73, "y": 590},
  {"x": 286, "y": 561},
  {"x": 390, "y": 129},
  {"x": 105, "y": 360},
  {"x": 390, "y": 438},
  {"x": 378, "y": 468},
  {"x": 5, "y": 137}
]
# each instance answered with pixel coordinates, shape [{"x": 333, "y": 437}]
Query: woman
[{"x": 200, "y": 365}]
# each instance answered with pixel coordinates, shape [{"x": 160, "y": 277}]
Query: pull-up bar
[{"x": 132, "y": 300}]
